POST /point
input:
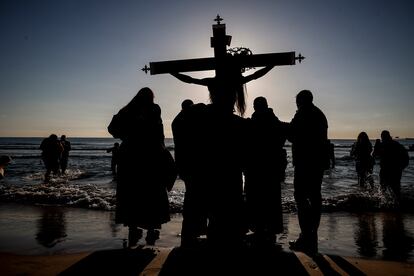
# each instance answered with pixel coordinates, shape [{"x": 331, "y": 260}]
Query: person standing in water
[
  {"x": 65, "y": 153},
  {"x": 364, "y": 162},
  {"x": 51, "y": 152},
  {"x": 115, "y": 158},
  {"x": 393, "y": 160}
]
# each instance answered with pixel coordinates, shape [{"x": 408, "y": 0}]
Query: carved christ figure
[{"x": 227, "y": 90}]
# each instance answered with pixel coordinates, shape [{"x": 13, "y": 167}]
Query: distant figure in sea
[
  {"x": 376, "y": 153},
  {"x": 65, "y": 153},
  {"x": 146, "y": 169},
  {"x": 265, "y": 171},
  {"x": 51, "y": 152},
  {"x": 364, "y": 162},
  {"x": 310, "y": 152},
  {"x": 115, "y": 158},
  {"x": 393, "y": 160},
  {"x": 4, "y": 161},
  {"x": 331, "y": 154},
  {"x": 187, "y": 154}
]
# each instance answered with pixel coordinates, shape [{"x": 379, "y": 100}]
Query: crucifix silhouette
[{"x": 219, "y": 42}]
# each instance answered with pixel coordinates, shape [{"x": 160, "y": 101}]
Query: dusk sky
[{"x": 67, "y": 66}]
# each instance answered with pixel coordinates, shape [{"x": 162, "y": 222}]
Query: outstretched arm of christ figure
[
  {"x": 189, "y": 79},
  {"x": 258, "y": 74}
]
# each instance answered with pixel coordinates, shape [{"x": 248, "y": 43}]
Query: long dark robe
[
  {"x": 143, "y": 171},
  {"x": 265, "y": 172}
]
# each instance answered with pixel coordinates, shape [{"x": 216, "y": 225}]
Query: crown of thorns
[{"x": 241, "y": 51}]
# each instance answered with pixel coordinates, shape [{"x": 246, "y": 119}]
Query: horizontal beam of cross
[{"x": 203, "y": 64}]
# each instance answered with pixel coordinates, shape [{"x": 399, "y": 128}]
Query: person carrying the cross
[{"x": 221, "y": 161}]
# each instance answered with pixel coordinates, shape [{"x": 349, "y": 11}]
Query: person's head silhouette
[
  {"x": 304, "y": 98},
  {"x": 385, "y": 136},
  {"x": 260, "y": 104},
  {"x": 142, "y": 101},
  {"x": 186, "y": 104}
]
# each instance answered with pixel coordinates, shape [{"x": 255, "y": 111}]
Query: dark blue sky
[{"x": 67, "y": 66}]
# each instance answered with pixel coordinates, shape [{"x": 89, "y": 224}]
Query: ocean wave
[
  {"x": 91, "y": 196},
  {"x": 85, "y": 196}
]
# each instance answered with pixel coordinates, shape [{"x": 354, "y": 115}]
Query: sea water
[{"x": 88, "y": 182}]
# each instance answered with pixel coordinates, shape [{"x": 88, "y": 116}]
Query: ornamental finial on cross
[
  {"x": 218, "y": 19},
  {"x": 146, "y": 69},
  {"x": 300, "y": 58}
]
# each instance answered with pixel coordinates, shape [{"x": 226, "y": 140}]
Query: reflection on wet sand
[
  {"x": 51, "y": 227},
  {"x": 49, "y": 230},
  {"x": 398, "y": 243},
  {"x": 365, "y": 235}
]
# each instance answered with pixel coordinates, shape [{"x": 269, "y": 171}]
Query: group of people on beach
[
  {"x": 233, "y": 180},
  {"x": 393, "y": 159},
  {"x": 55, "y": 155}
]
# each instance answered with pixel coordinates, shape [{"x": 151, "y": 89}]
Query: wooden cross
[{"x": 219, "y": 42}]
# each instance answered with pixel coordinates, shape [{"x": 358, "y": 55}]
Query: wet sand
[{"x": 56, "y": 238}]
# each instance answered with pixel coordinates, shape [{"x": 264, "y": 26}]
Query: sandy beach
[{"x": 145, "y": 261}]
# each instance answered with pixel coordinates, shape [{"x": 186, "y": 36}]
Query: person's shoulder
[
  {"x": 198, "y": 108},
  {"x": 156, "y": 108}
]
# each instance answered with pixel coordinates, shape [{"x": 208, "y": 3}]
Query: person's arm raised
[
  {"x": 188, "y": 79},
  {"x": 258, "y": 74}
]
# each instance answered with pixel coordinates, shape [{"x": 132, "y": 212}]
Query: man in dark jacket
[
  {"x": 393, "y": 160},
  {"x": 310, "y": 150}
]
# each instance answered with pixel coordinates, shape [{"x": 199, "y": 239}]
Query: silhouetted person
[
  {"x": 4, "y": 161},
  {"x": 219, "y": 162},
  {"x": 364, "y": 162},
  {"x": 264, "y": 173},
  {"x": 393, "y": 160},
  {"x": 331, "y": 155},
  {"x": 115, "y": 157},
  {"x": 187, "y": 158},
  {"x": 222, "y": 136},
  {"x": 144, "y": 171},
  {"x": 51, "y": 153},
  {"x": 376, "y": 153},
  {"x": 65, "y": 153},
  {"x": 308, "y": 134}
]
